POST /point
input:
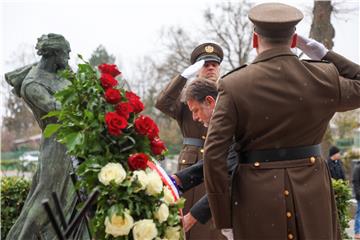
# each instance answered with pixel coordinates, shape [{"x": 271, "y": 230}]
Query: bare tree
[
  {"x": 229, "y": 26},
  {"x": 17, "y": 120},
  {"x": 226, "y": 24}
]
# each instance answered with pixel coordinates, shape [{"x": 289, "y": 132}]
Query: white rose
[
  {"x": 118, "y": 225},
  {"x": 162, "y": 213},
  {"x": 144, "y": 230},
  {"x": 172, "y": 233},
  {"x": 168, "y": 196},
  {"x": 112, "y": 171},
  {"x": 142, "y": 178},
  {"x": 155, "y": 184}
]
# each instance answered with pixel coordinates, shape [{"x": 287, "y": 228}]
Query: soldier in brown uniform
[
  {"x": 205, "y": 60},
  {"x": 278, "y": 108}
]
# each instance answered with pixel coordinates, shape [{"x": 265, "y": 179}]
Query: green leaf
[
  {"x": 51, "y": 114},
  {"x": 73, "y": 139},
  {"x": 51, "y": 129},
  {"x": 89, "y": 115}
]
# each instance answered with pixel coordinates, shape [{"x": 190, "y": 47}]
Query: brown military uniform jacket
[
  {"x": 169, "y": 102},
  {"x": 277, "y": 101}
]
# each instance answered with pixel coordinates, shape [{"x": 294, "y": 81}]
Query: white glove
[
  {"x": 311, "y": 47},
  {"x": 228, "y": 233},
  {"x": 192, "y": 70}
]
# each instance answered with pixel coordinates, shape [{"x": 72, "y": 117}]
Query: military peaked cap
[
  {"x": 207, "y": 52},
  {"x": 275, "y": 20}
]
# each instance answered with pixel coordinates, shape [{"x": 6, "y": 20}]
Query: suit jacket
[
  {"x": 194, "y": 175},
  {"x": 278, "y": 101},
  {"x": 169, "y": 102}
]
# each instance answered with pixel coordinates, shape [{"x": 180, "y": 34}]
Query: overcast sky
[{"x": 129, "y": 29}]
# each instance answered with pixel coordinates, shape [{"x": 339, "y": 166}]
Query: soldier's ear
[
  {"x": 294, "y": 40},
  {"x": 255, "y": 40}
]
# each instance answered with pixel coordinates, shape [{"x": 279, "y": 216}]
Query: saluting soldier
[
  {"x": 205, "y": 59},
  {"x": 278, "y": 108}
]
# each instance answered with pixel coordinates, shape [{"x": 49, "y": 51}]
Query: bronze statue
[{"x": 36, "y": 84}]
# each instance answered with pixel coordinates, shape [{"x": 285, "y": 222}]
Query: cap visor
[{"x": 209, "y": 59}]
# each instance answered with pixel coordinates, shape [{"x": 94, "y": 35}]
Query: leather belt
[
  {"x": 197, "y": 142},
  {"x": 281, "y": 154}
]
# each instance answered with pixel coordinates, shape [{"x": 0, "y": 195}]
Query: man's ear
[
  {"x": 255, "y": 40},
  {"x": 294, "y": 40},
  {"x": 210, "y": 100}
]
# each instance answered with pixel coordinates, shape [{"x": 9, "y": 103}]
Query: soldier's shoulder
[
  {"x": 234, "y": 70},
  {"x": 314, "y": 61},
  {"x": 322, "y": 64}
]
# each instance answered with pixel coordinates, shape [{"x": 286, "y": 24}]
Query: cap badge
[{"x": 209, "y": 49}]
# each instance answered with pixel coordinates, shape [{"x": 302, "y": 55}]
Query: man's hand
[
  {"x": 177, "y": 180},
  {"x": 189, "y": 221},
  {"x": 192, "y": 70},
  {"x": 311, "y": 47}
]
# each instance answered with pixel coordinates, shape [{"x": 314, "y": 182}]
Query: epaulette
[
  {"x": 234, "y": 70},
  {"x": 318, "y": 61}
]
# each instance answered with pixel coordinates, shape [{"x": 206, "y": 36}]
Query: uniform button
[
  {"x": 256, "y": 164},
  {"x": 203, "y": 137},
  {"x": 183, "y": 161},
  {"x": 202, "y": 150},
  {"x": 288, "y": 214},
  {"x": 312, "y": 160},
  {"x": 290, "y": 236},
  {"x": 286, "y": 193}
]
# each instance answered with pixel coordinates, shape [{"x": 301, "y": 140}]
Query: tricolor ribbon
[
  {"x": 165, "y": 178},
  {"x": 153, "y": 165}
]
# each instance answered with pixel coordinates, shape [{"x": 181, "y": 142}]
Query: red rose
[
  {"x": 137, "y": 105},
  {"x": 135, "y": 101},
  {"x": 115, "y": 123},
  {"x": 138, "y": 161},
  {"x": 112, "y": 95},
  {"x": 145, "y": 125},
  {"x": 131, "y": 96},
  {"x": 109, "y": 69},
  {"x": 157, "y": 146},
  {"x": 153, "y": 132},
  {"x": 124, "y": 109},
  {"x": 108, "y": 81}
]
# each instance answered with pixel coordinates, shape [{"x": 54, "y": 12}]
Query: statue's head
[{"x": 54, "y": 45}]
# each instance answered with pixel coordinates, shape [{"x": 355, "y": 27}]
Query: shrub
[
  {"x": 342, "y": 193},
  {"x": 13, "y": 194}
]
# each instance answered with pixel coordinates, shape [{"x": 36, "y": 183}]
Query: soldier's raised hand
[
  {"x": 192, "y": 70},
  {"x": 311, "y": 47}
]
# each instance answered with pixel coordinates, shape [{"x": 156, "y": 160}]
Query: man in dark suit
[
  {"x": 200, "y": 96},
  {"x": 335, "y": 165},
  {"x": 278, "y": 109}
]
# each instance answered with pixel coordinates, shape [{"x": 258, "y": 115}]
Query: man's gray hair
[{"x": 199, "y": 89}]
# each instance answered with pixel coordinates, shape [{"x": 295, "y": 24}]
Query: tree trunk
[
  {"x": 323, "y": 31},
  {"x": 321, "y": 27}
]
